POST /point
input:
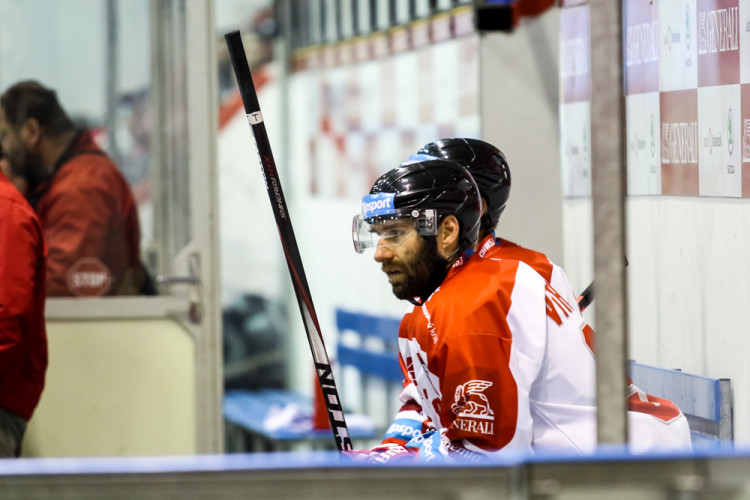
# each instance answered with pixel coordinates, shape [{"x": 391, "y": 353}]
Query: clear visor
[{"x": 392, "y": 229}]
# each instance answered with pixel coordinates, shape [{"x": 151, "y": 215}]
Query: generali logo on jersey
[{"x": 472, "y": 408}]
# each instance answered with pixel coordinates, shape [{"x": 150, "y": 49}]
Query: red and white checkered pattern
[
  {"x": 383, "y": 96},
  {"x": 687, "y": 82}
]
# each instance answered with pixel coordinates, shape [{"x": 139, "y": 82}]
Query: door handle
[
  {"x": 167, "y": 279},
  {"x": 195, "y": 309}
]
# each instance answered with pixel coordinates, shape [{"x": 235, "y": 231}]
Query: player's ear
[
  {"x": 30, "y": 131},
  {"x": 447, "y": 237}
]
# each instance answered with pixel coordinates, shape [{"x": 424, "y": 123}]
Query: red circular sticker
[{"x": 89, "y": 277}]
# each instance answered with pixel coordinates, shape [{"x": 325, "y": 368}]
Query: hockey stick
[
  {"x": 288, "y": 241},
  {"x": 587, "y": 296}
]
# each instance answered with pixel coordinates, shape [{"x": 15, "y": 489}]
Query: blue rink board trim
[
  {"x": 314, "y": 460},
  {"x": 693, "y": 394},
  {"x": 187, "y": 463}
]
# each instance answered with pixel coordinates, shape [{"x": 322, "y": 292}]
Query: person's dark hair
[
  {"x": 443, "y": 185},
  {"x": 487, "y": 165},
  {"x": 30, "y": 99}
]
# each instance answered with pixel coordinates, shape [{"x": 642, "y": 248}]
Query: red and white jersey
[
  {"x": 499, "y": 361},
  {"x": 654, "y": 423},
  {"x": 551, "y": 272}
]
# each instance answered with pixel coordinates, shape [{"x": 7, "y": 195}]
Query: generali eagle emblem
[{"x": 476, "y": 407}]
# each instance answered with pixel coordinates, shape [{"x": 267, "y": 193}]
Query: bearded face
[
  {"x": 415, "y": 268},
  {"x": 23, "y": 162}
]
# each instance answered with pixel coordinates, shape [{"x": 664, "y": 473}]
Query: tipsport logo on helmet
[{"x": 375, "y": 205}]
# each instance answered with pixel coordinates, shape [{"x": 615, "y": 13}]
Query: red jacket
[
  {"x": 90, "y": 222},
  {"x": 23, "y": 337}
]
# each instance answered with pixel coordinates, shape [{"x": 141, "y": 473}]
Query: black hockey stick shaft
[
  {"x": 288, "y": 241},
  {"x": 587, "y": 296}
]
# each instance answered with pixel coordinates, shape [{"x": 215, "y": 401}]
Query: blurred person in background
[
  {"x": 23, "y": 338},
  {"x": 84, "y": 203}
]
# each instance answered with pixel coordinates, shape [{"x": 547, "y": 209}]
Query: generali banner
[{"x": 686, "y": 67}]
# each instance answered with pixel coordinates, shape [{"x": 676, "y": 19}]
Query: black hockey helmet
[
  {"x": 487, "y": 165},
  {"x": 425, "y": 191}
]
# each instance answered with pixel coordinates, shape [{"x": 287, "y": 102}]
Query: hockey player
[
  {"x": 655, "y": 424},
  {"x": 490, "y": 169},
  {"x": 488, "y": 366}
]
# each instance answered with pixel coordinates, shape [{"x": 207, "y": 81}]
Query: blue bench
[
  {"x": 382, "y": 363},
  {"x": 367, "y": 357},
  {"x": 705, "y": 401},
  {"x": 245, "y": 411}
]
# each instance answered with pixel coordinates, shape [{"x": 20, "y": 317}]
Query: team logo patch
[{"x": 472, "y": 408}]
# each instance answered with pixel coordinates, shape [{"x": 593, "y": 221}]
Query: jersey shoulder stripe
[{"x": 506, "y": 249}]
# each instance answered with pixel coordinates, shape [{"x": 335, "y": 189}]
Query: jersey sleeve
[
  {"x": 480, "y": 394},
  {"x": 559, "y": 281},
  {"x": 489, "y": 370},
  {"x": 409, "y": 421},
  {"x": 656, "y": 424},
  {"x": 18, "y": 264}
]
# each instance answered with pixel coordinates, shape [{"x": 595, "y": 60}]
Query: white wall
[
  {"x": 689, "y": 290},
  {"x": 251, "y": 254},
  {"x": 519, "y": 103},
  {"x": 578, "y": 230}
]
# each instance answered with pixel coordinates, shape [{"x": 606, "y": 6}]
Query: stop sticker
[{"x": 89, "y": 277}]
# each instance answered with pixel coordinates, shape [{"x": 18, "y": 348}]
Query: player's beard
[
  {"x": 419, "y": 272},
  {"x": 27, "y": 165}
]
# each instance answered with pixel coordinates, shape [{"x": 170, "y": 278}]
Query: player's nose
[{"x": 382, "y": 253}]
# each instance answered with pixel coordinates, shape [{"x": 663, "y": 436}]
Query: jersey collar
[{"x": 488, "y": 242}]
